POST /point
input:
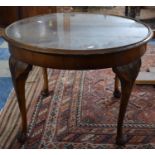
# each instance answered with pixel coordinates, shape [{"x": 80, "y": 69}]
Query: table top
[{"x": 76, "y": 33}]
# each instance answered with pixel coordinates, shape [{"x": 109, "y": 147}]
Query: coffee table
[{"x": 77, "y": 41}]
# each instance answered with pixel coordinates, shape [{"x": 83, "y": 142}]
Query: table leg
[
  {"x": 19, "y": 72},
  {"x": 45, "y": 90},
  {"x": 116, "y": 92},
  {"x": 127, "y": 75}
]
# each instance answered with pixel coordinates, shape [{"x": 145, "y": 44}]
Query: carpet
[{"x": 80, "y": 111}]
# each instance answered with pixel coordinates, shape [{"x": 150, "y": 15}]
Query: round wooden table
[{"x": 77, "y": 41}]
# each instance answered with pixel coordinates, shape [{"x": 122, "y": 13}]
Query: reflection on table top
[{"x": 77, "y": 31}]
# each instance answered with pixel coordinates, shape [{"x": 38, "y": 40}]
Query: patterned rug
[{"x": 80, "y": 111}]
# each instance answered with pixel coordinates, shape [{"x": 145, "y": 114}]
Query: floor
[
  {"x": 145, "y": 13},
  {"x": 5, "y": 79}
]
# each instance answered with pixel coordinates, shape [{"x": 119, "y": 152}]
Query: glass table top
[{"x": 77, "y": 31}]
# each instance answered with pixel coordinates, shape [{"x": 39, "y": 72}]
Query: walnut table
[{"x": 77, "y": 41}]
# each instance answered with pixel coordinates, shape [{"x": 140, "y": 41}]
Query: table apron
[{"x": 77, "y": 62}]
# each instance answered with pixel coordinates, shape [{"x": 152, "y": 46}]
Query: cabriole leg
[
  {"x": 45, "y": 90},
  {"x": 19, "y": 72},
  {"x": 127, "y": 75},
  {"x": 116, "y": 92}
]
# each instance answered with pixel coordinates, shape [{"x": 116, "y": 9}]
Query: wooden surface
[
  {"x": 29, "y": 11},
  {"x": 9, "y": 14}
]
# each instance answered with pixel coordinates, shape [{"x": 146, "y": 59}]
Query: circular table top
[{"x": 77, "y": 33}]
